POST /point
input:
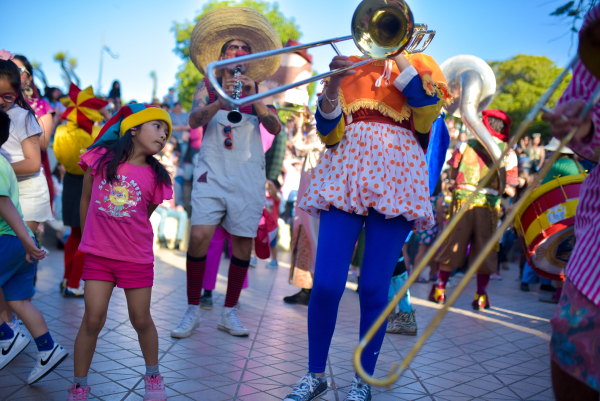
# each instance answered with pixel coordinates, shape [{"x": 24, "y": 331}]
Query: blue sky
[{"x": 139, "y": 31}]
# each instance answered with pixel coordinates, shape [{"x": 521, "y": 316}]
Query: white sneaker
[
  {"x": 46, "y": 361},
  {"x": 190, "y": 322},
  {"x": 12, "y": 347},
  {"x": 253, "y": 261},
  {"x": 230, "y": 323}
]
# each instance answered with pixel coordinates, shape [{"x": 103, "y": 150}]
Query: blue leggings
[{"x": 338, "y": 233}]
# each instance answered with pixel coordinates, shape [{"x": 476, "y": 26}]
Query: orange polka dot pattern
[{"x": 374, "y": 165}]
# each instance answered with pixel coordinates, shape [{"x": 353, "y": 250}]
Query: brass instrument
[
  {"x": 234, "y": 116},
  {"x": 587, "y": 51},
  {"x": 381, "y": 29}
]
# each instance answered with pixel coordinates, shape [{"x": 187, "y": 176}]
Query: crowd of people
[{"x": 360, "y": 189}]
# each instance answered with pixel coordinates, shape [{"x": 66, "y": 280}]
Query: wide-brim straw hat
[
  {"x": 553, "y": 147},
  {"x": 219, "y": 26}
]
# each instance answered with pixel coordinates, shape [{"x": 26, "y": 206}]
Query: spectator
[
  {"x": 171, "y": 98},
  {"x": 165, "y": 107},
  {"x": 538, "y": 153},
  {"x": 181, "y": 127},
  {"x": 272, "y": 205},
  {"x": 115, "y": 94}
]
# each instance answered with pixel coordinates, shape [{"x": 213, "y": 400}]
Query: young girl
[{"x": 123, "y": 185}]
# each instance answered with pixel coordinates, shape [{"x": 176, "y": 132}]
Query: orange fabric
[{"x": 359, "y": 91}]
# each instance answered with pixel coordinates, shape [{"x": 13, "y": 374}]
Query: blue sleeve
[
  {"x": 416, "y": 96},
  {"x": 436, "y": 152},
  {"x": 325, "y": 126}
]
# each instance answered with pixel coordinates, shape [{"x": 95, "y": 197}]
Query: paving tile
[{"x": 465, "y": 357}]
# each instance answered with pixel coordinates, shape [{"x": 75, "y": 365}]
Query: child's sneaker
[
  {"x": 78, "y": 393},
  {"x": 12, "y": 347},
  {"x": 253, "y": 261},
  {"x": 73, "y": 292},
  {"x": 46, "y": 361},
  {"x": 155, "y": 388},
  {"x": 206, "y": 302},
  {"x": 273, "y": 264}
]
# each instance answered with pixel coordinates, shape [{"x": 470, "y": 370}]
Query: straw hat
[
  {"x": 220, "y": 26},
  {"x": 553, "y": 147}
]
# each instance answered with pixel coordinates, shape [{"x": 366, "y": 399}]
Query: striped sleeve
[{"x": 581, "y": 87}]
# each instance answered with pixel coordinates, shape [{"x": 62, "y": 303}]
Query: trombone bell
[{"x": 382, "y": 28}]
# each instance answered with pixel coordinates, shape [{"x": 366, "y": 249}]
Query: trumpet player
[{"x": 229, "y": 177}]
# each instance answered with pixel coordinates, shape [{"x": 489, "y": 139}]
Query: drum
[{"x": 545, "y": 225}]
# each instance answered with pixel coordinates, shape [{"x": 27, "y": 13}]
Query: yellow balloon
[{"x": 68, "y": 146}]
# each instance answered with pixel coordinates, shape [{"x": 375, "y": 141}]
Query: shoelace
[
  {"x": 303, "y": 386},
  {"x": 358, "y": 391},
  {"x": 154, "y": 382},
  {"x": 233, "y": 318},
  {"x": 187, "y": 318}
]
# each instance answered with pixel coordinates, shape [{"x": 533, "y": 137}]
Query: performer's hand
[
  {"x": 248, "y": 85},
  {"x": 565, "y": 117},
  {"x": 229, "y": 90},
  {"x": 341, "y": 62}
]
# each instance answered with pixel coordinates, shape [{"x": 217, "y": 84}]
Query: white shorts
[{"x": 34, "y": 198}]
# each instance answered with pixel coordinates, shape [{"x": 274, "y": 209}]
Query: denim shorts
[{"x": 16, "y": 274}]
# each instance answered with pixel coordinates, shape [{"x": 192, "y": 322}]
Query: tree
[
  {"x": 68, "y": 67},
  {"x": 521, "y": 81},
  {"x": 188, "y": 76}
]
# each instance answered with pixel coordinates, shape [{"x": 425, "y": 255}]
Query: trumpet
[
  {"x": 381, "y": 29},
  {"x": 587, "y": 52}
]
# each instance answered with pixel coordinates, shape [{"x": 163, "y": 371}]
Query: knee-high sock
[
  {"x": 194, "y": 270},
  {"x": 238, "y": 269},
  {"x": 76, "y": 270},
  {"x": 482, "y": 282},
  {"x": 337, "y": 236},
  {"x": 71, "y": 247},
  {"x": 443, "y": 277}
]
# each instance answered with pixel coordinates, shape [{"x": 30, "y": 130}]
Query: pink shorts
[{"x": 123, "y": 274}]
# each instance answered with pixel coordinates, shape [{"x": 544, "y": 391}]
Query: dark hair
[
  {"x": 118, "y": 152},
  {"x": 177, "y": 104},
  {"x": 29, "y": 68},
  {"x": 496, "y": 124},
  {"x": 115, "y": 82},
  {"x": 224, "y": 48},
  {"x": 10, "y": 71},
  {"x": 4, "y": 127},
  {"x": 56, "y": 173}
]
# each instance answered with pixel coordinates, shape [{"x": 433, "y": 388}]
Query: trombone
[
  {"x": 380, "y": 29},
  {"x": 396, "y": 369}
]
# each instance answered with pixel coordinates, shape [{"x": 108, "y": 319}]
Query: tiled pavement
[{"x": 500, "y": 354}]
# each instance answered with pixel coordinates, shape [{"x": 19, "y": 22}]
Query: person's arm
[
  {"x": 86, "y": 197},
  {"x": 202, "y": 112},
  {"x": 439, "y": 211},
  {"x": 46, "y": 122},
  {"x": 32, "y": 162},
  {"x": 542, "y": 157},
  {"x": 11, "y": 215},
  {"x": 272, "y": 190},
  {"x": 266, "y": 116}
]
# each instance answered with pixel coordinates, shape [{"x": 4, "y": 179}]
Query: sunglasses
[
  {"x": 9, "y": 97},
  {"x": 23, "y": 70},
  {"x": 229, "y": 140},
  {"x": 235, "y": 48}
]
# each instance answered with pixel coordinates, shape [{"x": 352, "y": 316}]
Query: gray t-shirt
[{"x": 180, "y": 120}]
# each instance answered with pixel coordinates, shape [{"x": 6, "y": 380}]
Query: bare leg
[
  {"x": 6, "y": 313},
  {"x": 567, "y": 388},
  {"x": 138, "y": 303},
  {"x": 274, "y": 252},
  {"x": 422, "y": 250},
  {"x": 242, "y": 247},
  {"x": 200, "y": 237},
  {"x": 97, "y": 296},
  {"x": 33, "y": 225},
  {"x": 406, "y": 256},
  {"x": 31, "y": 316}
]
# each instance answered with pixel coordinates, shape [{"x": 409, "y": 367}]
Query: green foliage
[
  {"x": 188, "y": 76},
  {"x": 521, "y": 81}
]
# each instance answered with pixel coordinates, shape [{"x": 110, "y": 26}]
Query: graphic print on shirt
[{"x": 120, "y": 197}]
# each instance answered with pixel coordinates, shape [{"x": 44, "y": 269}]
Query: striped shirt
[{"x": 584, "y": 265}]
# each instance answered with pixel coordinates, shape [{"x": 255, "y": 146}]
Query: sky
[{"x": 140, "y": 32}]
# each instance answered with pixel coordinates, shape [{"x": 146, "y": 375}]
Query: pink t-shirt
[{"x": 117, "y": 224}]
